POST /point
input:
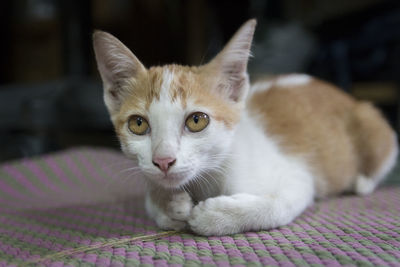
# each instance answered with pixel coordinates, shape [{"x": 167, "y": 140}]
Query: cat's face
[
  {"x": 174, "y": 116},
  {"x": 176, "y": 121}
]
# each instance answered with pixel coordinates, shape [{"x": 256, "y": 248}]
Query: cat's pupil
[
  {"x": 139, "y": 121},
  {"x": 196, "y": 118}
]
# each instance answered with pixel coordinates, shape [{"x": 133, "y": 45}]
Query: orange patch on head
[
  {"x": 142, "y": 91},
  {"x": 191, "y": 84},
  {"x": 187, "y": 84},
  {"x": 223, "y": 111}
]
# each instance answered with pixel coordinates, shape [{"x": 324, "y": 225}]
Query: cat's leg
[
  {"x": 169, "y": 210},
  {"x": 244, "y": 212},
  {"x": 365, "y": 185}
]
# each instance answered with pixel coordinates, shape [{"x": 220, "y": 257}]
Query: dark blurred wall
[
  {"x": 5, "y": 44},
  {"x": 50, "y": 92}
]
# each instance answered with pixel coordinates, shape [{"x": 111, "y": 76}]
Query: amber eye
[
  {"x": 138, "y": 125},
  {"x": 197, "y": 121}
]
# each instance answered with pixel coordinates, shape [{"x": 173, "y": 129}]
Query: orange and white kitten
[{"x": 221, "y": 156}]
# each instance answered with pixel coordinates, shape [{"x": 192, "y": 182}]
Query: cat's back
[{"x": 339, "y": 137}]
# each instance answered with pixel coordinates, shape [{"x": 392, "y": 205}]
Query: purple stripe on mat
[
  {"x": 268, "y": 261},
  {"x": 207, "y": 260},
  {"x": 311, "y": 258},
  {"x": 90, "y": 169},
  {"x": 71, "y": 215},
  {"x": 234, "y": 252},
  {"x": 60, "y": 173},
  {"x": 85, "y": 230},
  {"x": 143, "y": 219},
  {"x": 57, "y": 264},
  {"x": 176, "y": 252},
  {"x": 223, "y": 264},
  {"x": 18, "y": 253},
  {"x": 35, "y": 169},
  {"x": 146, "y": 260},
  {"x": 22, "y": 179},
  {"x": 190, "y": 256},
  {"x": 200, "y": 245},
  {"x": 75, "y": 171},
  {"x": 249, "y": 256},
  {"x": 395, "y": 253},
  {"x": 108, "y": 164},
  {"x": 90, "y": 258},
  {"x": 133, "y": 255},
  {"x": 12, "y": 192},
  {"x": 5, "y": 264}
]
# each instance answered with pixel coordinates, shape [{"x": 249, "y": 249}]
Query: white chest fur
[{"x": 259, "y": 167}]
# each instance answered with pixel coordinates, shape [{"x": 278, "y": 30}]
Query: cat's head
[{"x": 177, "y": 121}]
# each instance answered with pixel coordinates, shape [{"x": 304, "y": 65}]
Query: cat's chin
[{"x": 171, "y": 181}]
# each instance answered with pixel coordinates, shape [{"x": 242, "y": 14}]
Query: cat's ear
[
  {"x": 231, "y": 63},
  {"x": 117, "y": 65}
]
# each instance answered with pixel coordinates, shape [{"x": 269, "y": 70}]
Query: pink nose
[{"x": 164, "y": 163}]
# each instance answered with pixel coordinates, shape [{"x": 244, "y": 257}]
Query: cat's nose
[{"x": 164, "y": 163}]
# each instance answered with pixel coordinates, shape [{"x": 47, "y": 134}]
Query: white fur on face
[{"x": 195, "y": 153}]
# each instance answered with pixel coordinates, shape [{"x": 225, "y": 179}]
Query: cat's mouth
[{"x": 173, "y": 179}]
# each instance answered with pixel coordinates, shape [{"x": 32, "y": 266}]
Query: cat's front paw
[
  {"x": 171, "y": 214},
  {"x": 180, "y": 207},
  {"x": 166, "y": 223},
  {"x": 214, "y": 217}
]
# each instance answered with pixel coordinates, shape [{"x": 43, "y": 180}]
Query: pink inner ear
[
  {"x": 114, "y": 93},
  {"x": 116, "y": 64},
  {"x": 235, "y": 89},
  {"x": 234, "y": 80},
  {"x": 232, "y": 62}
]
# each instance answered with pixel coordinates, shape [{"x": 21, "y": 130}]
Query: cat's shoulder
[
  {"x": 297, "y": 89},
  {"x": 263, "y": 84}
]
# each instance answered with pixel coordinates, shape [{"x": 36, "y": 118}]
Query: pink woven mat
[{"x": 85, "y": 207}]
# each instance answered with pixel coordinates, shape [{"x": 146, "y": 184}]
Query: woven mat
[{"x": 84, "y": 207}]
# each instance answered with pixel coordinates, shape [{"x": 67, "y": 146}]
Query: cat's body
[
  {"x": 221, "y": 160},
  {"x": 342, "y": 140}
]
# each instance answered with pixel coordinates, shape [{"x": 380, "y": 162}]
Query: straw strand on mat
[{"x": 122, "y": 241}]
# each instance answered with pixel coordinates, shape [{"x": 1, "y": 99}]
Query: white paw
[
  {"x": 215, "y": 216},
  {"x": 166, "y": 223},
  {"x": 365, "y": 185},
  {"x": 180, "y": 207}
]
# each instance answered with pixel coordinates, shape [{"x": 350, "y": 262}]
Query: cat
[{"x": 222, "y": 157}]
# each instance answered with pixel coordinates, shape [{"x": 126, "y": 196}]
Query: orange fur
[
  {"x": 340, "y": 136},
  {"x": 189, "y": 84},
  {"x": 346, "y": 144}
]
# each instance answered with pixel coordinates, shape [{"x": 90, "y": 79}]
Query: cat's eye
[
  {"x": 197, "y": 121},
  {"x": 138, "y": 125}
]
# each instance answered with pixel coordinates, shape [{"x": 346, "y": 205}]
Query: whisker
[{"x": 114, "y": 164}]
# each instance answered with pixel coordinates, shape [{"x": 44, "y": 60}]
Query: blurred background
[{"x": 50, "y": 91}]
